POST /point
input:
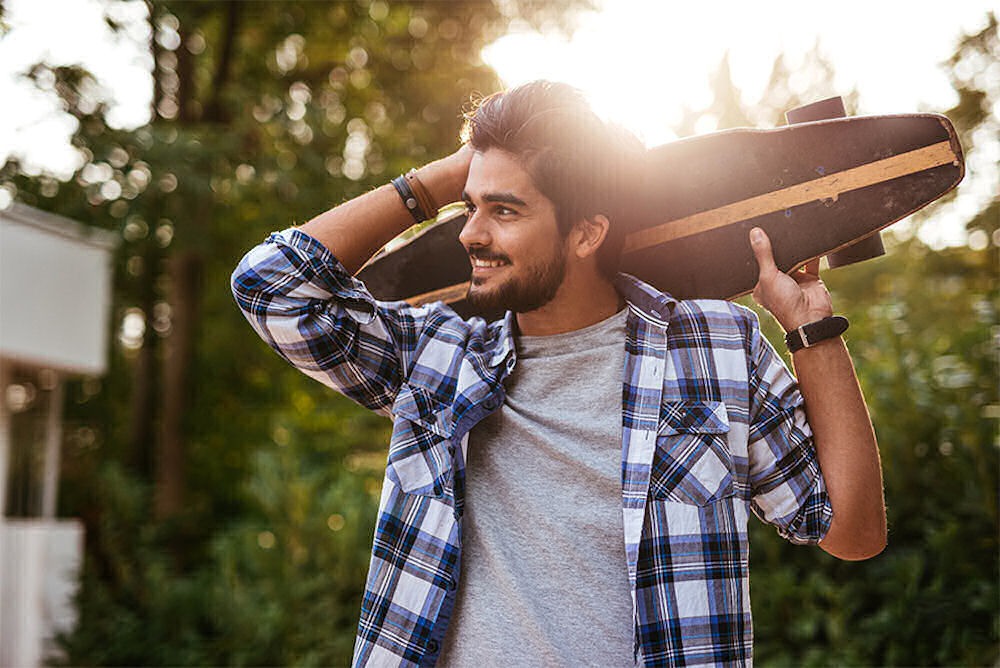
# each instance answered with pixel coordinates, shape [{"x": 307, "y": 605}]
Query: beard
[{"x": 532, "y": 289}]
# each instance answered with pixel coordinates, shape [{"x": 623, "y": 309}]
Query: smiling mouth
[
  {"x": 482, "y": 261},
  {"x": 478, "y": 263}
]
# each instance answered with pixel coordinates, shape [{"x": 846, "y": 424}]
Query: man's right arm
[
  {"x": 357, "y": 229},
  {"x": 298, "y": 292}
]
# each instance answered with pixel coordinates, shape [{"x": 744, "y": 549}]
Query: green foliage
[
  {"x": 287, "y": 578},
  {"x": 923, "y": 343},
  {"x": 290, "y": 593},
  {"x": 289, "y": 574},
  {"x": 137, "y": 609},
  {"x": 280, "y": 584}
]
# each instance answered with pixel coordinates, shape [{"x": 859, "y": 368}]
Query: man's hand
[
  {"x": 445, "y": 179},
  {"x": 795, "y": 299}
]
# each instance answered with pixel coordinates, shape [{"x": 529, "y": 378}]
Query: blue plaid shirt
[{"x": 712, "y": 430}]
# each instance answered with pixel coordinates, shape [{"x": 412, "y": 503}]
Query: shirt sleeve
[
  {"x": 303, "y": 303},
  {"x": 786, "y": 483}
]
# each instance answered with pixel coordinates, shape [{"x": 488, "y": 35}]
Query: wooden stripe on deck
[
  {"x": 826, "y": 187},
  {"x": 448, "y": 295}
]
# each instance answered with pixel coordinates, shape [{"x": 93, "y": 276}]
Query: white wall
[
  {"x": 55, "y": 291},
  {"x": 40, "y": 562},
  {"x": 55, "y": 301}
]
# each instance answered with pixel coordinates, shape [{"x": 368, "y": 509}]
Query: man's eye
[
  {"x": 470, "y": 208},
  {"x": 504, "y": 211}
]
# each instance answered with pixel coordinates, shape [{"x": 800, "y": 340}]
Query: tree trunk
[
  {"x": 215, "y": 110},
  {"x": 142, "y": 409},
  {"x": 184, "y": 269},
  {"x": 154, "y": 48}
]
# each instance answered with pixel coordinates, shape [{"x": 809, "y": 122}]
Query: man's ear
[{"x": 588, "y": 235}]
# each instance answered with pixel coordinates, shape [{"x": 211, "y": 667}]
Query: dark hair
[{"x": 584, "y": 165}]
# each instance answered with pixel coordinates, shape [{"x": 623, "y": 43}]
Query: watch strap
[{"x": 812, "y": 333}]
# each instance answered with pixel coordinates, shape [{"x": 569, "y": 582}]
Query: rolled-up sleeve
[
  {"x": 786, "y": 482},
  {"x": 302, "y": 302}
]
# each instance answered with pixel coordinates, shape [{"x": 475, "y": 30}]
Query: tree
[{"x": 262, "y": 115}]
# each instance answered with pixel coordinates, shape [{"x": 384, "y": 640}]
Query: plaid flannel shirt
[{"x": 712, "y": 429}]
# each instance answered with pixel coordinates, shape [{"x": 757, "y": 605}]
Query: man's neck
[{"x": 577, "y": 304}]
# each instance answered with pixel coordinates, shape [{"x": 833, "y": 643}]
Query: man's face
[{"x": 517, "y": 253}]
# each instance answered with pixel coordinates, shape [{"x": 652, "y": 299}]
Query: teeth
[{"x": 487, "y": 264}]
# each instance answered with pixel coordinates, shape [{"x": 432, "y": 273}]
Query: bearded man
[{"x": 570, "y": 484}]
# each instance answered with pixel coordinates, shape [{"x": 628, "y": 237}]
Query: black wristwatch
[{"x": 814, "y": 332}]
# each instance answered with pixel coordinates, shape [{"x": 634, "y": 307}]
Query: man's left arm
[{"x": 842, "y": 429}]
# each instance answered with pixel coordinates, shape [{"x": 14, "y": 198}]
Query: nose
[{"x": 474, "y": 232}]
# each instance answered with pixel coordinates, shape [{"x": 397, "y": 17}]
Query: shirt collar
[
  {"x": 505, "y": 339},
  {"x": 648, "y": 300}
]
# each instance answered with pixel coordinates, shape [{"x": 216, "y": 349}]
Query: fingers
[
  {"x": 761, "y": 246},
  {"x": 762, "y": 250}
]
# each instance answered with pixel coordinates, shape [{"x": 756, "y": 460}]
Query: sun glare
[
  {"x": 642, "y": 63},
  {"x": 639, "y": 63}
]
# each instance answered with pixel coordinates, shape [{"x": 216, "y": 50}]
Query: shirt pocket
[
  {"x": 692, "y": 463},
  {"x": 420, "y": 452}
]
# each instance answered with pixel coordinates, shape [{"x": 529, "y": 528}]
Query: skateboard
[{"x": 817, "y": 188}]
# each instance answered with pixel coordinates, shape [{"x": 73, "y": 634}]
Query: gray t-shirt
[{"x": 544, "y": 579}]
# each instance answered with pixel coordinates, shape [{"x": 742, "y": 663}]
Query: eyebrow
[{"x": 502, "y": 198}]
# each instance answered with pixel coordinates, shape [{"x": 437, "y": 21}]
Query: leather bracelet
[
  {"x": 420, "y": 191},
  {"x": 812, "y": 333},
  {"x": 410, "y": 200}
]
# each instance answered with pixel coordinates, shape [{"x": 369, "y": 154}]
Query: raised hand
[{"x": 793, "y": 299}]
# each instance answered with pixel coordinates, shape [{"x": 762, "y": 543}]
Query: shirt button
[
  {"x": 451, "y": 584},
  {"x": 491, "y": 403},
  {"x": 432, "y": 646}
]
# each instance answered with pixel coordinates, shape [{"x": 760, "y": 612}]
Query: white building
[{"x": 55, "y": 300}]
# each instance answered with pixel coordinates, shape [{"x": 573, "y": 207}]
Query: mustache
[{"x": 487, "y": 256}]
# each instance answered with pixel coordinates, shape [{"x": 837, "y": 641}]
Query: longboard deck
[{"x": 814, "y": 188}]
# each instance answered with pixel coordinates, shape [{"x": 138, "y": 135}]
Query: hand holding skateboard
[{"x": 793, "y": 299}]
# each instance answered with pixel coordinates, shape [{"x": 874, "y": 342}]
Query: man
[{"x": 568, "y": 485}]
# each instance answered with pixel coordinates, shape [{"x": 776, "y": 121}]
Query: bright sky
[
  {"x": 638, "y": 60},
  {"x": 641, "y": 59}
]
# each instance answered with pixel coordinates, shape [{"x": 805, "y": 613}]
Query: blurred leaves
[
  {"x": 263, "y": 114},
  {"x": 925, "y": 337},
  {"x": 924, "y": 340}
]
